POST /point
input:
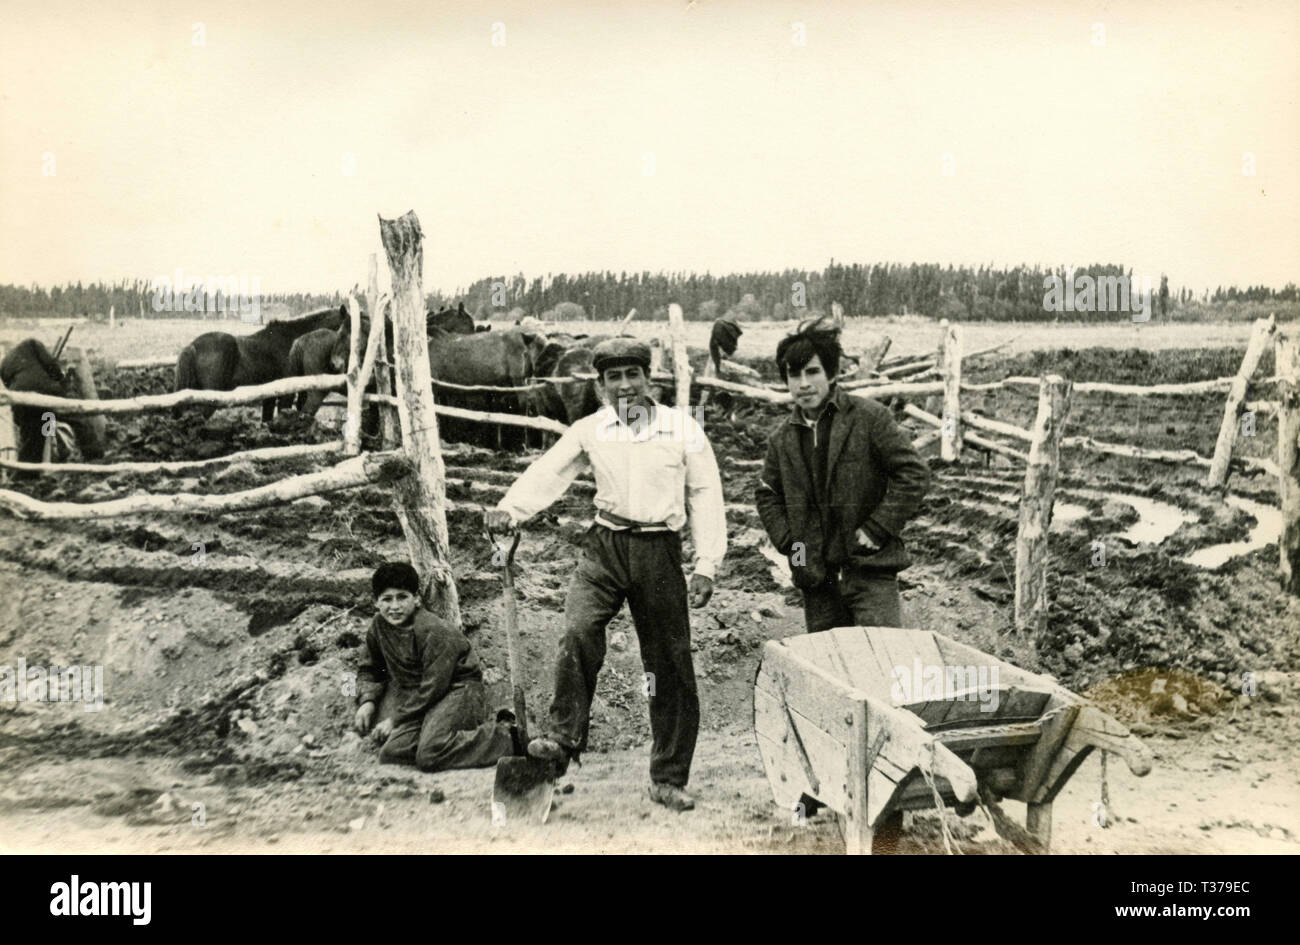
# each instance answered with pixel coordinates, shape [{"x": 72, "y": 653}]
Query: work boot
[
  {"x": 548, "y": 749},
  {"x": 671, "y": 796}
]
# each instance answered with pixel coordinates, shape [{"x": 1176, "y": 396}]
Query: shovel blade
[{"x": 523, "y": 790}]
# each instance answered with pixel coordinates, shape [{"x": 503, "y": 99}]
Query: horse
[
  {"x": 456, "y": 321},
  {"x": 496, "y": 358},
  {"x": 30, "y": 367},
  {"x": 311, "y": 354},
  {"x": 216, "y": 360}
]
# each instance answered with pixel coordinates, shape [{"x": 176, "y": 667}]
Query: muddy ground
[{"x": 228, "y": 644}]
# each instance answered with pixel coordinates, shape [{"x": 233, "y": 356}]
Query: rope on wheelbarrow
[{"x": 927, "y": 773}]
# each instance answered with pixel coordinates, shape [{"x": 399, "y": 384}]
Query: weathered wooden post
[
  {"x": 950, "y": 363},
  {"x": 358, "y": 375},
  {"x": 112, "y": 317},
  {"x": 681, "y": 364},
  {"x": 87, "y": 390},
  {"x": 1259, "y": 337},
  {"x": 420, "y": 500},
  {"x": 1036, "y": 504},
  {"x": 388, "y": 423},
  {"x": 1288, "y": 460},
  {"x": 8, "y": 441}
]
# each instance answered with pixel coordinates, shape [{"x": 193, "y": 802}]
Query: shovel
[{"x": 524, "y": 786}]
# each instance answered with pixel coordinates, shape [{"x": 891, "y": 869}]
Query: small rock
[
  {"x": 436, "y": 796},
  {"x": 248, "y": 726},
  {"x": 1158, "y": 686},
  {"x": 1141, "y": 728},
  {"x": 618, "y": 641},
  {"x": 164, "y": 806},
  {"x": 567, "y": 789},
  {"x": 274, "y": 838},
  {"x": 756, "y": 616},
  {"x": 1180, "y": 705},
  {"x": 355, "y": 825},
  {"x": 1243, "y": 701},
  {"x": 309, "y": 740},
  {"x": 153, "y": 635}
]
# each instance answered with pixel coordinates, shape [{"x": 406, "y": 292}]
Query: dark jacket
[
  {"x": 424, "y": 661},
  {"x": 875, "y": 481}
]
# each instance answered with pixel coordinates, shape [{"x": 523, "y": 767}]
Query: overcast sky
[{"x": 647, "y": 135}]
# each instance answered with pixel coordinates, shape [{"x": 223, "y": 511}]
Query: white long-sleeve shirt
[{"x": 648, "y": 477}]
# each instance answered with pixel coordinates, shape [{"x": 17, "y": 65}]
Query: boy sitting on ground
[{"x": 438, "y": 722}]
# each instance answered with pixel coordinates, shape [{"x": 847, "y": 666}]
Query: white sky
[{"x": 227, "y": 158}]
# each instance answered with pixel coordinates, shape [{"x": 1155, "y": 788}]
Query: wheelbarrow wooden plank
[
  {"x": 969, "y": 739},
  {"x": 816, "y": 692},
  {"x": 901, "y": 648},
  {"x": 1008, "y": 673},
  {"x": 863, "y": 664},
  {"x": 779, "y": 722}
]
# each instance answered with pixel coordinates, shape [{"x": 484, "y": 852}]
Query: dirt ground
[{"x": 229, "y": 642}]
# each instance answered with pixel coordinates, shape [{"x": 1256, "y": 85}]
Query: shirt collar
[
  {"x": 662, "y": 422},
  {"x": 831, "y": 405}
]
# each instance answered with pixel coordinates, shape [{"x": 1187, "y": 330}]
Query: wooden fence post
[
  {"x": 1259, "y": 336},
  {"x": 1288, "y": 460},
  {"x": 352, "y": 421},
  {"x": 1036, "y": 504},
  {"x": 80, "y": 362},
  {"x": 112, "y": 317},
  {"x": 8, "y": 441},
  {"x": 388, "y": 423},
  {"x": 950, "y": 363},
  {"x": 681, "y": 364},
  {"x": 420, "y": 500}
]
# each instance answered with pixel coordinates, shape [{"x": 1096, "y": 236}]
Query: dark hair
[
  {"x": 796, "y": 350},
  {"x": 395, "y": 574}
]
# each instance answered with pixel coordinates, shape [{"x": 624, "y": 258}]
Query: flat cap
[{"x": 614, "y": 352}]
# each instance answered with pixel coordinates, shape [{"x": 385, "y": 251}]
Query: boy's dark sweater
[{"x": 425, "y": 660}]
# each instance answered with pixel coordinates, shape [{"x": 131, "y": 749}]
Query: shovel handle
[{"x": 512, "y": 640}]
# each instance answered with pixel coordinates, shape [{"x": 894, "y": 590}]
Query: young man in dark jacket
[{"x": 839, "y": 482}]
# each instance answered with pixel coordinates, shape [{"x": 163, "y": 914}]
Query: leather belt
[{"x": 620, "y": 524}]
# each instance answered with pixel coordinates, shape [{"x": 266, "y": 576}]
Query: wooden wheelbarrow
[{"x": 857, "y": 718}]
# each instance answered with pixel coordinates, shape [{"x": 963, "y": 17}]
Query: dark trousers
[
  {"x": 853, "y": 598},
  {"x": 451, "y": 735},
  {"x": 646, "y": 571}
]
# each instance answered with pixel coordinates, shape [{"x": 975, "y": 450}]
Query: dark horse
[
  {"x": 216, "y": 360},
  {"x": 310, "y": 354},
  {"x": 455, "y": 321},
  {"x": 30, "y": 367}
]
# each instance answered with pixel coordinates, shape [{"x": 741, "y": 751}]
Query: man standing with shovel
[{"x": 652, "y": 464}]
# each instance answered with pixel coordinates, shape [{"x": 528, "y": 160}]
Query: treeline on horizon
[{"x": 958, "y": 293}]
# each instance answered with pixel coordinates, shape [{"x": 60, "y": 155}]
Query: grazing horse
[
  {"x": 311, "y": 354},
  {"x": 30, "y": 367},
  {"x": 216, "y": 360}
]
